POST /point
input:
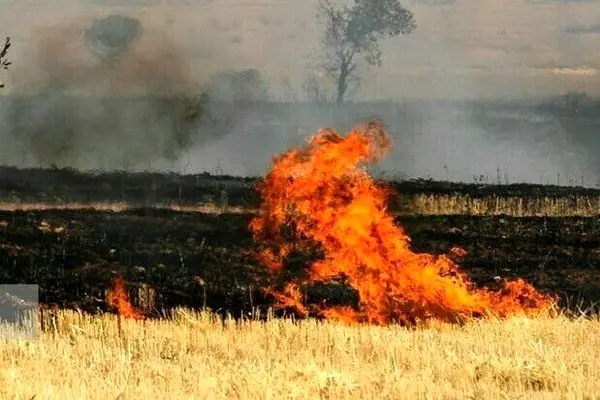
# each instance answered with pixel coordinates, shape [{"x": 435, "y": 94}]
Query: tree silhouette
[
  {"x": 352, "y": 31},
  {"x": 4, "y": 63}
]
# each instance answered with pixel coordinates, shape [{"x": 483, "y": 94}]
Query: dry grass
[
  {"x": 420, "y": 204},
  {"x": 194, "y": 356},
  {"x": 423, "y": 204},
  {"x": 207, "y": 208}
]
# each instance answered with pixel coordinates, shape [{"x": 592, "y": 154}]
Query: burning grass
[
  {"x": 319, "y": 200},
  {"x": 118, "y": 298},
  {"x": 195, "y": 355}
]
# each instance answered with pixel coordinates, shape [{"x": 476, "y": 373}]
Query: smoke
[
  {"x": 103, "y": 94},
  {"x": 119, "y": 93},
  {"x": 508, "y": 142},
  {"x": 497, "y": 144}
]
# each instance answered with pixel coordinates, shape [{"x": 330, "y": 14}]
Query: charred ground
[
  {"x": 172, "y": 258},
  {"x": 143, "y": 189}
]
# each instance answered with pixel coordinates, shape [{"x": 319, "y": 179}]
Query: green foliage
[{"x": 356, "y": 30}]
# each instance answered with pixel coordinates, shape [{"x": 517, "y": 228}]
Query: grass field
[
  {"x": 72, "y": 238},
  {"x": 196, "y": 356}
]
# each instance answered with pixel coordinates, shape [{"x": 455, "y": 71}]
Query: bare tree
[
  {"x": 352, "y": 31},
  {"x": 4, "y": 63}
]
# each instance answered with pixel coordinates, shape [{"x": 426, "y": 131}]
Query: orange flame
[
  {"x": 319, "y": 196},
  {"x": 117, "y": 298}
]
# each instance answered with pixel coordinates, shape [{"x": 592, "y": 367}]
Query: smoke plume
[{"x": 102, "y": 93}]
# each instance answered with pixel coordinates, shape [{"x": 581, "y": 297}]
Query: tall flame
[
  {"x": 117, "y": 298},
  {"x": 319, "y": 200}
]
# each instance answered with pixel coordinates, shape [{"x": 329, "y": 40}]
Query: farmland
[
  {"x": 182, "y": 243},
  {"x": 184, "y": 240}
]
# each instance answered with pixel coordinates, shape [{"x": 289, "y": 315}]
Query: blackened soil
[
  {"x": 148, "y": 189},
  {"x": 196, "y": 260}
]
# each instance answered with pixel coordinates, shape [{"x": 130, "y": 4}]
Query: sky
[{"x": 461, "y": 49}]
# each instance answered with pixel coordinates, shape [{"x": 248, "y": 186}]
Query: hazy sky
[{"x": 462, "y": 48}]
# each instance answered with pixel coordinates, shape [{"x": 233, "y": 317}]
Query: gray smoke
[
  {"x": 102, "y": 95},
  {"x": 481, "y": 141}
]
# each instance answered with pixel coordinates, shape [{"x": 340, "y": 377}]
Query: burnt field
[
  {"x": 173, "y": 258},
  {"x": 190, "y": 258},
  {"x": 59, "y": 186}
]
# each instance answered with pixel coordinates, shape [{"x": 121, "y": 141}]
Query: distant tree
[
  {"x": 246, "y": 85},
  {"x": 576, "y": 102},
  {"x": 112, "y": 36},
  {"x": 352, "y": 31},
  {"x": 4, "y": 63},
  {"x": 315, "y": 90}
]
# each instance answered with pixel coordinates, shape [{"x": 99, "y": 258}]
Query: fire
[
  {"x": 321, "y": 206},
  {"x": 117, "y": 298}
]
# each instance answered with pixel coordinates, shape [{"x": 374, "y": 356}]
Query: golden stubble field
[{"x": 196, "y": 356}]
